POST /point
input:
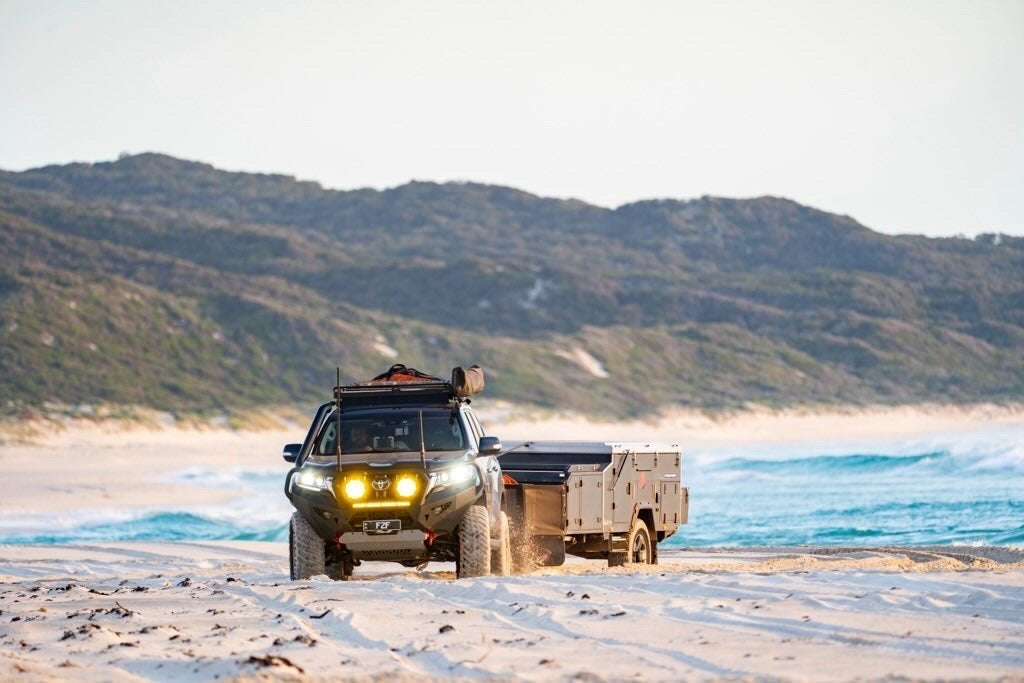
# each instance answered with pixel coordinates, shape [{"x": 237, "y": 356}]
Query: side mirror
[
  {"x": 291, "y": 452},
  {"x": 490, "y": 445}
]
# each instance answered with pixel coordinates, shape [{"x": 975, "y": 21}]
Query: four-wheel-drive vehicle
[{"x": 415, "y": 479}]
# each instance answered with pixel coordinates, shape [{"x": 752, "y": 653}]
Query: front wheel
[
  {"x": 474, "y": 543},
  {"x": 306, "y": 556}
]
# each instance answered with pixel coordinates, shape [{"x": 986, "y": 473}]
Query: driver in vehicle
[{"x": 360, "y": 441}]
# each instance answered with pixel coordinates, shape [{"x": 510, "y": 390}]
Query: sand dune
[{"x": 205, "y": 611}]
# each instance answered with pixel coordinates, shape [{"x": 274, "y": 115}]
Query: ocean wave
[
  {"x": 828, "y": 463},
  {"x": 1004, "y": 458},
  {"x": 1014, "y": 537},
  {"x": 155, "y": 526},
  {"x": 933, "y": 508},
  {"x": 258, "y": 512},
  {"x": 939, "y": 491},
  {"x": 230, "y": 478}
]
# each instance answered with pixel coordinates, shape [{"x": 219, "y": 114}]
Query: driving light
[
  {"x": 381, "y": 504},
  {"x": 405, "y": 486},
  {"x": 355, "y": 489}
]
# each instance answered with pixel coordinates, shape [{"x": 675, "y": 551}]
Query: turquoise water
[
  {"x": 934, "y": 497},
  {"x": 964, "y": 489}
]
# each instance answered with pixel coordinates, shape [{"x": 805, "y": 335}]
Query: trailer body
[{"x": 585, "y": 498}]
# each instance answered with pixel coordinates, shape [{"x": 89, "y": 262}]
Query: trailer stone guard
[{"x": 400, "y": 469}]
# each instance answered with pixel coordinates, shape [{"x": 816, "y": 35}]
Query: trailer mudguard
[{"x": 544, "y": 510}]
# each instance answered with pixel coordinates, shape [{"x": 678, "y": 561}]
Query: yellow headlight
[
  {"x": 355, "y": 489},
  {"x": 405, "y": 486}
]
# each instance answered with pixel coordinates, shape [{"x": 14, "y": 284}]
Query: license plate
[{"x": 382, "y": 526}]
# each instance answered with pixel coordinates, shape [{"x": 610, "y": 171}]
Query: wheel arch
[{"x": 646, "y": 515}]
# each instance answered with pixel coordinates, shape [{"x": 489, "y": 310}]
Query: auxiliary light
[
  {"x": 406, "y": 486},
  {"x": 355, "y": 489}
]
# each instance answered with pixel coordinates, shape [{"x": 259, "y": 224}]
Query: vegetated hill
[{"x": 169, "y": 283}]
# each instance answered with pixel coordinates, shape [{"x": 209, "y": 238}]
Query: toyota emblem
[{"x": 381, "y": 484}]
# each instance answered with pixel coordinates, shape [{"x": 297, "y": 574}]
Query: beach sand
[
  {"x": 226, "y": 610},
  {"x": 695, "y": 430},
  {"x": 206, "y": 611}
]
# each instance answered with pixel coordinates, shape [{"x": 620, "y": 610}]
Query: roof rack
[
  {"x": 365, "y": 394},
  {"x": 401, "y": 385}
]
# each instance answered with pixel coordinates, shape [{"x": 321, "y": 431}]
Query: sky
[{"x": 908, "y": 116}]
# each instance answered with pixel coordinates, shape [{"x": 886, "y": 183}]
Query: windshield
[{"x": 391, "y": 431}]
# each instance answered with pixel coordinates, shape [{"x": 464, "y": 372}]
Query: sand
[
  {"x": 90, "y": 467},
  {"x": 206, "y": 611},
  {"x": 761, "y": 426}
]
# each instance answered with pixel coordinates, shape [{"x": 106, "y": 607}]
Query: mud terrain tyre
[
  {"x": 501, "y": 557},
  {"x": 639, "y": 548},
  {"x": 305, "y": 549},
  {"x": 474, "y": 544}
]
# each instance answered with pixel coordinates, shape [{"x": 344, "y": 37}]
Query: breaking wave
[{"x": 157, "y": 526}]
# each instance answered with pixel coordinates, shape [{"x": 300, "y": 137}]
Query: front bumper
[{"x": 425, "y": 516}]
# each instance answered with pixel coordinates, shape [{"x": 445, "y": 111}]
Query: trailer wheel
[
  {"x": 638, "y": 544},
  {"x": 474, "y": 544},
  {"x": 305, "y": 549},
  {"x": 501, "y": 557}
]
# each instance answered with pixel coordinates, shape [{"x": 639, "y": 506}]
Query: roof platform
[{"x": 394, "y": 394}]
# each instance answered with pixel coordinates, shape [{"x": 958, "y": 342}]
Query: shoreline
[
  {"x": 756, "y": 426},
  {"x": 87, "y": 468}
]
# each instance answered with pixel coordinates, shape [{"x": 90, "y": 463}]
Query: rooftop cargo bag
[
  {"x": 467, "y": 381},
  {"x": 400, "y": 373}
]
